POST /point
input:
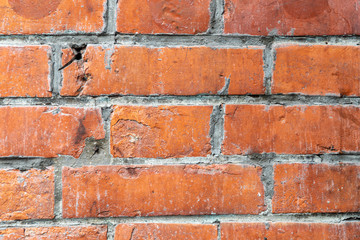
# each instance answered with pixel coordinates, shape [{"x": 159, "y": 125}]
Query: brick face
[
  {"x": 66, "y": 233},
  {"x": 166, "y": 231},
  {"x": 55, "y": 16},
  {"x": 285, "y": 231},
  {"x": 112, "y": 191},
  {"x": 163, "y": 16},
  {"x": 25, "y": 71},
  {"x": 317, "y": 188},
  {"x": 337, "y": 70},
  {"x": 291, "y": 129},
  {"x": 128, "y": 70},
  {"x": 47, "y": 131},
  {"x": 160, "y": 132},
  {"x": 289, "y": 17},
  {"x": 26, "y": 195}
]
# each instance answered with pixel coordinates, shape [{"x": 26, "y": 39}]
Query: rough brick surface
[
  {"x": 160, "y": 231},
  {"x": 47, "y": 131},
  {"x": 128, "y": 70},
  {"x": 50, "y": 233},
  {"x": 291, "y": 129},
  {"x": 316, "y": 188},
  {"x": 292, "y": 17},
  {"x": 317, "y": 70},
  {"x": 163, "y": 16},
  {"x": 285, "y": 231},
  {"x": 160, "y": 132},
  {"x": 111, "y": 191},
  {"x": 26, "y": 195},
  {"x": 12, "y": 234},
  {"x": 51, "y": 16},
  {"x": 25, "y": 71}
]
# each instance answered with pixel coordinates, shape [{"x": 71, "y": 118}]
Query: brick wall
[{"x": 169, "y": 119}]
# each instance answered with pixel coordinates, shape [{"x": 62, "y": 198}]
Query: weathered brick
[
  {"x": 129, "y": 70},
  {"x": 317, "y": 70},
  {"x": 291, "y": 129},
  {"x": 292, "y": 17},
  {"x": 285, "y": 231},
  {"x": 55, "y": 16},
  {"x": 43, "y": 233},
  {"x": 70, "y": 233},
  {"x": 47, "y": 131},
  {"x": 163, "y": 16},
  {"x": 317, "y": 188},
  {"x": 113, "y": 191},
  {"x": 26, "y": 195},
  {"x": 161, "y": 231},
  {"x": 12, "y": 234},
  {"x": 24, "y": 71},
  {"x": 160, "y": 132}
]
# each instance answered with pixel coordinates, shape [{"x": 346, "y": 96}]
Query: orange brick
[
  {"x": 68, "y": 233},
  {"x": 318, "y": 188},
  {"x": 12, "y": 234},
  {"x": 291, "y": 129},
  {"x": 113, "y": 191},
  {"x": 47, "y": 131},
  {"x": 161, "y": 231},
  {"x": 291, "y": 17},
  {"x": 26, "y": 195},
  {"x": 163, "y": 16},
  {"x": 317, "y": 70},
  {"x": 55, "y": 16},
  {"x": 285, "y": 231},
  {"x": 24, "y": 71},
  {"x": 160, "y": 132},
  {"x": 43, "y": 233},
  {"x": 128, "y": 70}
]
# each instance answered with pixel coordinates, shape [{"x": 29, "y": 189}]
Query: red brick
[
  {"x": 163, "y": 16},
  {"x": 291, "y": 129},
  {"x": 317, "y": 70},
  {"x": 114, "y": 191},
  {"x": 55, "y": 16},
  {"x": 160, "y": 132},
  {"x": 47, "y": 131},
  {"x": 292, "y": 17},
  {"x": 26, "y": 195},
  {"x": 68, "y": 233},
  {"x": 24, "y": 71},
  {"x": 129, "y": 70},
  {"x": 318, "y": 188},
  {"x": 161, "y": 231},
  {"x": 12, "y": 234},
  {"x": 285, "y": 231},
  {"x": 43, "y": 233}
]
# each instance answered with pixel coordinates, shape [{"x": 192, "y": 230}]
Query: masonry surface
[{"x": 169, "y": 119}]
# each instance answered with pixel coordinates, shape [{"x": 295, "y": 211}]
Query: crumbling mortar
[
  {"x": 216, "y": 24},
  {"x": 216, "y": 129}
]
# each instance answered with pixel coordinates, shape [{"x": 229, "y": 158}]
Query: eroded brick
[
  {"x": 317, "y": 70},
  {"x": 160, "y": 132},
  {"x": 292, "y": 17},
  {"x": 162, "y": 231},
  {"x": 129, "y": 70},
  {"x": 285, "y": 231},
  {"x": 47, "y": 131},
  {"x": 316, "y": 188},
  {"x": 113, "y": 191},
  {"x": 163, "y": 16},
  {"x": 26, "y": 195},
  {"x": 24, "y": 71},
  {"x": 291, "y": 129},
  {"x": 51, "y": 16}
]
